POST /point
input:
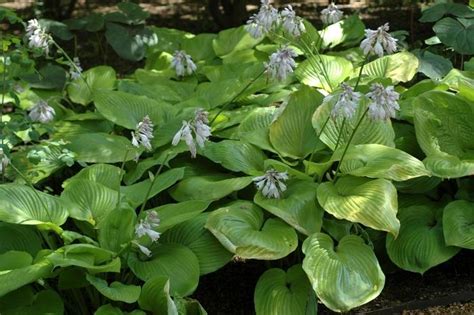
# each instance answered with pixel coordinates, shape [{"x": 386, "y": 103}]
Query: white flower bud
[
  {"x": 42, "y": 112},
  {"x": 272, "y": 183},
  {"x": 383, "y": 102}
]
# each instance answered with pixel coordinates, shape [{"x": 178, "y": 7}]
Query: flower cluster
[
  {"x": 42, "y": 112},
  {"x": 199, "y": 125},
  {"x": 331, "y": 14},
  {"x": 183, "y": 63},
  {"x": 272, "y": 183},
  {"x": 75, "y": 70},
  {"x": 268, "y": 18},
  {"x": 346, "y": 104},
  {"x": 143, "y": 133},
  {"x": 37, "y": 36},
  {"x": 379, "y": 41},
  {"x": 147, "y": 227},
  {"x": 4, "y": 161},
  {"x": 281, "y": 64},
  {"x": 383, "y": 103}
]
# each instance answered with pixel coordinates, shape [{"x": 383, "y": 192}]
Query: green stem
[
  {"x": 4, "y": 83},
  {"x": 339, "y": 136},
  {"x": 121, "y": 177},
  {"x": 153, "y": 183},
  {"x": 360, "y": 72},
  {"x": 349, "y": 142},
  {"x": 72, "y": 63}
]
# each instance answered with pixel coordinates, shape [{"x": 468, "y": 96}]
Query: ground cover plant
[{"x": 332, "y": 154}]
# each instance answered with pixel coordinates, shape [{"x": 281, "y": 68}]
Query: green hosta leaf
[
  {"x": 379, "y": 132},
  {"x": 20, "y": 238},
  {"x": 22, "y": 205},
  {"x": 236, "y": 156},
  {"x": 155, "y": 297},
  {"x": 254, "y": 128},
  {"x": 205, "y": 246},
  {"x": 233, "y": 39},
  {"x": 280, "y": 293},
  {"x": 400, "y": 67},
  {"x": 172, "y": 214},
  {"x": 14, "y": 260},
  {"x": 44, "y": 302},
  {"x": 136, "y": 193},
  {"x": 323, "y": 71},
  {"x": 298, "y": 206},
  {"x": 175, "y": 261},
  {"x": 370, "y": 202},
  {"x": 16, "y": 278},
  {"x": 458, "y": 220},
  {"x": 129, "y": 43},
  {"x": 127, "y": 110},
  {"x": 378, "y": 161},
  {"x": 345, "y": 276},
  {"x": 345, "y": 32},
  {"x": 117, "y": 229},
  {"x": 94, "y": 200},
  {"x": 208, "y": 187},
  {"x": 108, "y": 310},
  {"x": 189, "y": 306},
  {"x": 90, "y": 257},
  {"x": 444, "y": 129},
  {"x": 98, "y": 78},
  {"x": 116, "y": 291},
  {"x": 292, "y": 135},
  {"x": 104, "y": 174},
  {"x": 240, "y": 227},
  {"x": 101, "y": 148},
  {"x": 456, "y": 33},
  {"x": 420, "y": 244}
]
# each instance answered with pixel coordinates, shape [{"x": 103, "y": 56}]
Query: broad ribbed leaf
[
  {"x": 370, "y": 202},
  {"x": 254, "y": 128},
  {"x": 20, "y": 238},
  {"x": 175, "y": 261},
  {"x": 127, "y": 110},
  {"x": 445, "y": 132},
  {"x": 208, "y": 187},
  {"x": 14, "y": 260},
  {"x": 172, "y": 214},
  {"x": 98, "y": 78},
  {"x": 400, "y": 67},
  {"x": 192, "y": 234},
  {"x": 116, "y": 291},
  {"x": 94, "y": 200},
  {"x": 379, "y": 132},
  {"x": 298, "y": 206},
  {"x": 22, "y": 205},
  {"x": 323, "y": 71},
  {"x": 236, "y": 156},
  {"x": 379, "y": 161},
  {"x": 16, "y": 278},
  {"x": 346, "y": 32},
  {"x": 233, "y": 39},
  {"x": 458, "y": 224},
  {"x": 292, "y": 134},
  {"x": 117, "y": 228},
  {"x": 155, "y": 297},
  {"x": 104, "y": 174},
  {"x": 420, "y": 244},
  {"x": 344, "y": 276},
  {"x": 102, "y": 148},
  {"x": 280, "y": 293},
  {"x": 44, "y": 302},
  {"x": 240, "y": 228},
  {"x": 136, "y": 193},
  {"x": 456, "y": 33}
]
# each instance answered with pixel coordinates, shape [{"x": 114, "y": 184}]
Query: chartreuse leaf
[
  {"x": 104, "y": 174},
  {"x": 240, "y": 228},
  {"x": 116, "y": 291},
  {"x": 102, "y": 148},
  {"x": 323, "y": 71},
  {"x": 420, "y": 245},
  {"x": 343, "y": 276},
  {"x": 236, "y": 156},
  {"x": 208, "y": 187},
  {"x": 379, "y": 132},
  {"x": 280, "y": 293},
  {"x": 379, "y": 161},
  {"x": 370, "y": 202},
  {"x": 175, "y": 261},
  {"x": 20, "y": 238},
  {"x": 117, "y": 228},
  {"x": 16, "y": 278},
  {"x": 400, "y": 67},
  {"x": 254, "y": 128},
  {"x": 458, "y": 220},
  {"x": 127, "y": 110},
  {"x": 444, "y": 129},
  {"x": 205, "y": 246},
  {"x": 233, "y": 39},
  {"x": 22, "y": 205},
  {"x": 98, "y": 78},
  {"x": 292, "y": 134},
  {"x": 298, "y": 206},
  {"x": 94, "y": 201},
  {"x": 344, "y": 32},
  {"x": 155, "y": 297},
  {"x": 136, "y": 193}
]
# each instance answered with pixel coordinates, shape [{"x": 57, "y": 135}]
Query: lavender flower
[
  {"x": 142, "y": 248},
  {"x": 42, "y": 112},
  {"x": 199, "y": 125},
  {"x": 346, "y": 104},
  {"x": 281, "y": 64},
  {"x": 143, "y": 133},
  {"x": 37, "y": 36},
  {"x": 253, "y": 27},
  {"x": 4, "y": 161},
  {"x": 146, "y": 226},
  {"x": 183, "y": 63},
  {"x": 272, "y": 183},
  {"x": 261, "y": 23},
  {"x": 383, "y": 102},
  {"x": 75, "y": 70},
  {"x": 292, "y": 23},
  {"x": 379, "y": 41},
  {"x": 331, "y": 14}
]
